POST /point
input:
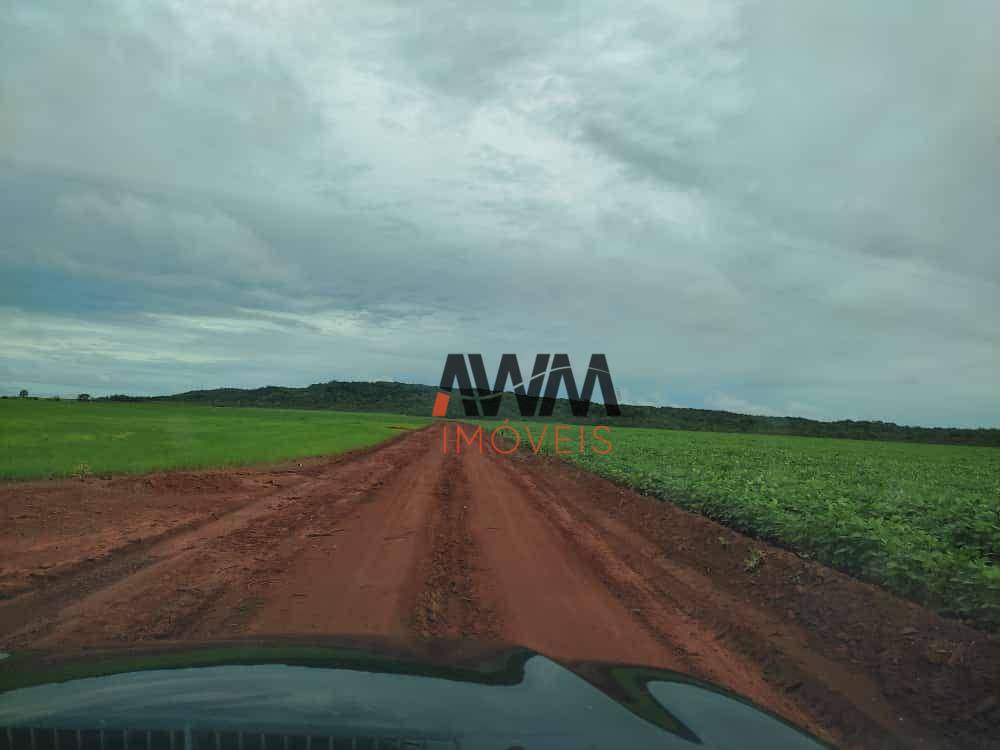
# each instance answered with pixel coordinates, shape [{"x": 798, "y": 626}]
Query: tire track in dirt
[
  {"x": 449, "y": 605},
  {"x": 199, "y": 582},
  {"x": 545, "y": 598},
  {"x": 49, "y": 601},
  {"x": 363, "y": 579}
]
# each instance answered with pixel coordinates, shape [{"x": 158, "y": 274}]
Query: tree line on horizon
[{"x": 406, "y": 398}]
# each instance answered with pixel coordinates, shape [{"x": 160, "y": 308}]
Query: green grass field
[
  {"x": 921, "y": 520},
  {"x": 58, "y": 438}
]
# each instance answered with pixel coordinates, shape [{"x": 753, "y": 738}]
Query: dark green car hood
[{"x": 364, "y": 693}]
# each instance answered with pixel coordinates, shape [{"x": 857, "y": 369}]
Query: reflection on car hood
[{"x": 322, "y": 694}]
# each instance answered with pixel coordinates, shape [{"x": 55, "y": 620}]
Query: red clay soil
[{"x": 406, "y": 542}]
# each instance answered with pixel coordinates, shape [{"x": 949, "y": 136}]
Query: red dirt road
[{"x": 404, "y": 541}]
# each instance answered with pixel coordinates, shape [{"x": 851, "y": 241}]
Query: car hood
[{"x": 365, "y": 693}]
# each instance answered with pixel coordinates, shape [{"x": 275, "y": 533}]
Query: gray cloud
[{"x": 783, "y": 207}]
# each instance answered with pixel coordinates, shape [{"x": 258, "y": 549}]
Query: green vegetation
[
  {"x": 922, "y": 520},
  {"x": 72, "y": 438},
  {"x": 405, "y": 398}
]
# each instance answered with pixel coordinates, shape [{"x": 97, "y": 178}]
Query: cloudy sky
[{"x": 782, "y": 207}]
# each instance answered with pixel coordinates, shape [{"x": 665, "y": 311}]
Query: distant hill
[{"x": 404, "y": 398}]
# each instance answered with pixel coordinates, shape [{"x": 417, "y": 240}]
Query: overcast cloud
[{"x": 782, "y": 207}]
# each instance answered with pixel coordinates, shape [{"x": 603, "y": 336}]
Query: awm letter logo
[{"x": 556, "y": 367}]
